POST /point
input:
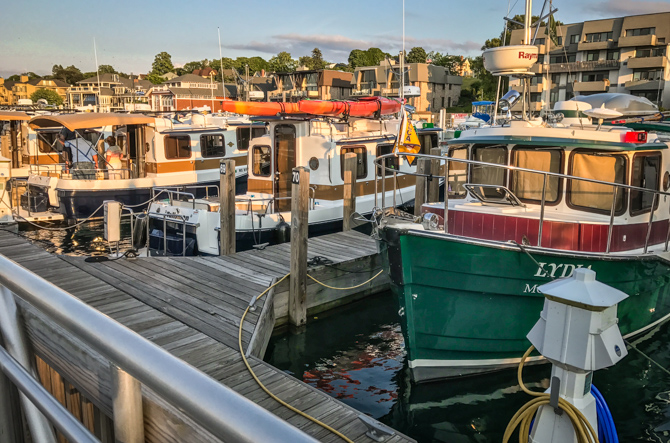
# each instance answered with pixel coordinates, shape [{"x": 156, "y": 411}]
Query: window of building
[
  {"x": 572, "y": 58},
  {"x": 361, "y": 160},
  {"x": 536, "y": 80},
  {"x": 594, "y": 76},
  {"x": 535, "y": 97},
  {"x": 646, "y": 174},
  {"x": 650, "y": 52},
  {"x": 243, "y": 136},
  {"x": 640, "y": 31},
  {"x": 539, "y": 41},
  {"x": 572, "y": 78},
  {"x": 555, "y": 79},
  {"x": 652, "y": 95},
  {"x": 596, "y": 197},
  {"x": 562, "y": 58},
  {"x": 262, "y": 161},
  {"x": 540, "y": 59},
  {"x": 599, "y": 37},
  {"x": 489, "y": 175},
  {"x": 574, "y": 38},
  {"x": 458, "y": 171},
  {"x": 592, "y": 56},
  {"x": 660, "y": 40},
  {"x": 527, "y": 186},
  {"x": 389, "y": 163},
  {"x": 559, "y": 40},
  {"x": 647, "y": 75},
  {"x": 212, "y": 145},
  {"x": 177, "y": 146},
  {"x": 613, "y": 54},
  {"x": 553, "y": 96}
]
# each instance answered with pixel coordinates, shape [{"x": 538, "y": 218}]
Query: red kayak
[
  {"x": 366, "y": 107},
  {"x": 260, "y": 108}
]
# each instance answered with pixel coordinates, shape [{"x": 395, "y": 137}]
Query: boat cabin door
[
  {"x": 135, "y": 149},
  {"x": 285, "y": 161}
]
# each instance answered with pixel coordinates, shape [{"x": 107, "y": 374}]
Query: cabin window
[
  {"x": 361, "y": 160},
  {"x": 177, "y": 147},
  {"x": 527, "y": 186},
  {"x": 45, "y": 141},
  {"x": 646, "y": 174},
  {"x": 489, "y": 175},
  {"x": 458, "y": 172},
  {"x": 597, "y": 197},
  {"x": 389, "y": 163},
  {"x": 243, "y": 138},
  {"x": 213, "y": 145},
  {"x": 262, "y": 161}
]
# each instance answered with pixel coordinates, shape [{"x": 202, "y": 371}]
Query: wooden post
[
  {"x": 14, "y": 145},
  {"x": 297, "y": 306},
  {"x": 349, "y": 203},
  {"x": 434, "y": 184},
  {"x": 5, "y": 152},
  {"x": 422, "y": 169},
  {"x": 127, "y": 404},
  {"x": 227, "y": 207}
]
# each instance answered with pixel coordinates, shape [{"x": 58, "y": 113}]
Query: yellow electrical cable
[
  {"x": 267, "y": 391},
  {"x": 524, "y": 416},
  {"x": 350, "y": 287}
]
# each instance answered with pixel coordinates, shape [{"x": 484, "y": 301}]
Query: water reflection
[{"x": 357, "y": 355}]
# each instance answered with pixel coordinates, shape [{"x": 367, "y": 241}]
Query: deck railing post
[
  {"x": 383, "y": 185},
  {"x": 609, "y": 231},
  {"x": 651, "y": 219},
  {"x": 395, "y": 187},
  {"x": 127, "y": 407},
  {"x": 446, "y": 196},
  {"x": 434, "y": 183},
  {"x": 17, "y": 346},
  {"x": 544, "y": 194},
  {"x": 376, "y": 185},
  {"x": 227, "y": 244},
  {"x": 297, "y": 305},
  {"x": 349, "y": 197}
]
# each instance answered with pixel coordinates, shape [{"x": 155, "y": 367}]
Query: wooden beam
[
  {"x": 422, "y": 168},
  {"x": 434, "y": 184},
  {"x": 349, "y": 198},
  {"x": 299, "y": 224},
  {"x": 227, "y": 207}
]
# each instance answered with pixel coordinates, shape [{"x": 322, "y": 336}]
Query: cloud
[
  {"x": 609, "y": 8},
  {"x": 337, "y": 47}
]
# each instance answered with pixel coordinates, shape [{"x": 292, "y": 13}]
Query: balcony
[
  {"x": 593, "y": 46},
  {"x": 533, "y": 106},
  {"x": 361, "y": 92},
  {"x": 647, "y": 62},
  {"x": 537, "y": 68},
  {"x": 390, "y": 92},
  {"x": 594, "y": 65},
  {"x": 597, "y": 86},
  {"x": 637, "y": 40},
  {"x": 644, "y": 85}
]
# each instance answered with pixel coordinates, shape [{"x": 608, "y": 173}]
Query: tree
[
  {"x": 317, "y": 59},
  {"x": 282, "y": 62},
  {"x": 50, "y": 96},
  {"x": 70, "y": 75},
  {"x": 155, "y": 78},
  {"x": 106, "y": 69},
  {"x": 162, "y": 64},
  {"x": 417, "y": 55},
  {"x": 370, "y": 57},
  {"x": 192, "y": 66}
]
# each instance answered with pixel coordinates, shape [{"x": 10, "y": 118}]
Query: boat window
[
  {"x": 212, "y": 145},
  {"x": 458, "y": 172},
  {"x": 646, "y": 174},
  {"x": 45, "y": 141},
  {"x": 597, "y": 197},
  {"x": 177, "y": 146},
  {"x": 527, "y": 186},
  {"x": 489, "y": 175},
  {"x": 121, "y": 143},
  {"x": 361, "y": 160},
  {"x": 391, "y": 162},
  {"x": 262, "y": 158},
  {"x": 243, "y": 138}
]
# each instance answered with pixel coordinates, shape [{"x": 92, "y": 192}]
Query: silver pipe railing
[
  {"x": 168, "y": 217},
  {"x": 379, "y": 161},
  {"x": 217, "y": 408}
]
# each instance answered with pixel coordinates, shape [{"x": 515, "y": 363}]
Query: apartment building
[
  {"x": 108, "y": 92},
  {"x": 438, "y": 89},
  {"x": 13, "y": 91},
  {"x": 626, "y": 54},
  {"x": 321, "y": 84}
]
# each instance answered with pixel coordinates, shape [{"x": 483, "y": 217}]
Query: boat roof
[
  {"x": 483, "y": 102},
  {"x": 88, "y": 120},
  {"x": 602, "y": 145},
  {"x": 13, "y": 116}
]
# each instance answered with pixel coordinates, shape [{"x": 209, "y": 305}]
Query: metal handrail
[
  {"x": 215, "y": 407},
  {"x": 379, "y": 161},
  {"x": 174, "y": 218}
]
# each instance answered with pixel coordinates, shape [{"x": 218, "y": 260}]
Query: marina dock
[{"x": 191, "y": 307}]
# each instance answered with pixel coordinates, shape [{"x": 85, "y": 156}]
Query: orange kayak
[
  {"x": 366, "y": 107},
  {"x": 260, "y": 108}
]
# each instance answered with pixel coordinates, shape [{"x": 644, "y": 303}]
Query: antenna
[
  {"x": 504, "y": 41},
  {"x": 223, "y": 82},
  {"x": 402, "y": 59},
  {"x": 97, "y": 70}
]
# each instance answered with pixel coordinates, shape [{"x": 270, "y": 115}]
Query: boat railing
[
  {"x": 179, "y": 193},
  {"x": 172, "y": 218},
  {"x": 271, "y": 202},
  {"x": 132, "y": 359},
  {"x": 62, "y": 171},
  {"x": 445, "y": 162}
]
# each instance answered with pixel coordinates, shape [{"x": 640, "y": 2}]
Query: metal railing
[
  {"x": 591, "y": 65},
  {"x": 60, "y": 170},
  {"x": 616, "y": 189},
  {"x": 180, "y": 191},
  {"x": 217, "y": 408}
]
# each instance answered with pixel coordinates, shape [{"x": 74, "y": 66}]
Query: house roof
[
  {"x": 107, "y": 78},
  {"x": 186, "y": 78},
  {"x": 204, "y": 72},
  {"x": 57, "y": 82}
]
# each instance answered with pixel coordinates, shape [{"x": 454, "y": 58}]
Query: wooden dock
[{"x": 191, "y": 307}]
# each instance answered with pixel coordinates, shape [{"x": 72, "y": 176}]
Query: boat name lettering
[
  {"x": 553, "y": 268},
  {"x": 531, "y": 289},
  {"x": 527, "y": 55}
]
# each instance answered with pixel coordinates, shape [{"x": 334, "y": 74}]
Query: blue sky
[{"x": 36, "y": 34}]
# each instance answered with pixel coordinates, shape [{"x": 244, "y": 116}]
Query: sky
[{"x": 36, "y": 34}]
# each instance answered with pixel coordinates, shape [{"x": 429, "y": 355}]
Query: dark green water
[{"x": 357, "y": 355}]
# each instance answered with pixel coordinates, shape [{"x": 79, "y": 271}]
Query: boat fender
[
  {"x": 140, "y": 231},
  {"x": 282, "y": 232}
]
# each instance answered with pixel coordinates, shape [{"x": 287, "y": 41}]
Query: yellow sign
[{"x": 407, "y": 140}]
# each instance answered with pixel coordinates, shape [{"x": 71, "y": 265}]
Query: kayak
[
  {"x": 366, "y": 107},
  {"x": 260, "y": 108}
]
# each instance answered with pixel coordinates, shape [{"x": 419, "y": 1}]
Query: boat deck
[{"x": 191, "y": 307}]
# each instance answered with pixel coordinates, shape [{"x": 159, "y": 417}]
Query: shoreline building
[
  {"x": 321, "y": 84},
  {"x": 108, "y": 92},
  {"x": 626, "y": 54}
]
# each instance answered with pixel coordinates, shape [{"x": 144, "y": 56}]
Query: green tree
[
  {"x": 162, "y": 64},
  {"x": 106, "y": 69},
  {"x": 189, "y": 67},
  {"x": 50, "y": 96},
  {"x": 70, "y": 75},
  {"x": 155, "y": 78},
  {"x": 369, "y": 57},
  {"x": 317, "y": 59},
  {"x": 417, "y": 55},
  {"x": 282, "y": 62}
]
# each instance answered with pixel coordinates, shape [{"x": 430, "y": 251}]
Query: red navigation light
[{"x": 634, "y": 137}]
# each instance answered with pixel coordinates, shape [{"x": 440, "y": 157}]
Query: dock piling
[
  {"x": 127, "y": 404},
  {"x": 227, "y": 207},
  {"x": 420, "y": 192},
  {"x": 434, "y": 184},
  {"x": 349, "y": 203},
  {"x": 297, "y": 307}
]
